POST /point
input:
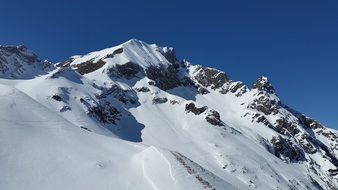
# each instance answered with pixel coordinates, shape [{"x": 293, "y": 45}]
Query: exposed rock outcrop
[
  {"x": 263, "y": 84},
  {"x": 19, "y": 62},
  {"x": 173, "y": 102},
  {"x": 159, "y": 100},
  {"x": 124, "y": 96},
  {"x": 285, "y": 127},
  {"x": 128, "y": 70},
  {"x": 169, "y": 54},
  {"x": 115, "y": 52},
  {"x": 333, "y": 172},
  {"x": 57, "y": 97},
  {"x": 102, "y": 111},
  {"x": 237, "y": 88},
  {"x": 89, "y": 66},
  {"x": 285, "y": 150},
  {"x": 191, "y": 107},
  {"x": 266, "y": 105},
  {"x": 214, "y": 118},
  {"x": 311, "y": 123},
  {"x": 165, "y": 77},
  {"x": 143, "y": 89},
  {"x": 209, "y": 77}
]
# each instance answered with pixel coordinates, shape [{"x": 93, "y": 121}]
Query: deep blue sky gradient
[{"x": 294, "y": 43}]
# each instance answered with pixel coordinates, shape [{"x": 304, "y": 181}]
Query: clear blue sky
[{"x": 294, "y": 43}]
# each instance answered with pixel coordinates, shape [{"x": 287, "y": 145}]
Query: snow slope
[
  {"x": 135, "y": 117},
  {"x": 45, "y": 151}
]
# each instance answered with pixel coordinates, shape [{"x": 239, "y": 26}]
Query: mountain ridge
[{"x": 142, "y": 93}]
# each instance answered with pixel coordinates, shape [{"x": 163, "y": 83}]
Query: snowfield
[
  {"x": 135, "y": 117},
  {"x": 41, "y": 150}
]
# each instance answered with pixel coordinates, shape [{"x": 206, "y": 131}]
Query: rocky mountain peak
[
  {"x": 209, "y": 77},
  {"x": 132, "y": 52},
  {"x": 263, "y": 84},
  {"x": 141, "y": 92},
  {"x": 19, "y": 62},
  {"x": 12, "y": 47},
  {"x": 169, "y": 53},
  {"x": 17, "y": 52}
]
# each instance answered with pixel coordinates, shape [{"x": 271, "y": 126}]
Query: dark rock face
[
  {"x": 284, "y": 149},
  {"x": 303, "y": 142},
  {"x": 152, "y": 83},
  {"x": 143, "y": 89},
  {"x": 173, "y": 102},
  {"x": 20, "y": 51},
  {"x": 170, "y": 55},
  {"x": 266, "y": 105},
  {"x": 237, "y": 88},
  {"x": 117, "y": 51},
  {"x": 263, "y": 84},
  {"x": 266, "y": 144},
  {"x": 262, "y": 119},
  {"x": 333, "y": 172},
  {"x": 57, "y": 97},
  {"x": 299, "y": 141},
  {"x": 16, "y": 60},
  {"x": 214, "y": 118},
  {"x": 165, "y": 78},
  {"x": 191, "y": 107},
  {"x": 67, "y": 63},
  {"x": 159, "y": 100},
  {"x": 124, "y": 96},
  {"x": 285, "y": 127},
  {"x": 129, "y": 70},
  {"x": 89, "y": 66},
  {"x": 209, "y": 77},
  {"x": 306, "y": 143},
  {"x": 311, "y": 123},
  {"x": 85, "y": 128},
  {"x": 310, "y": 143},
  {"x": 3, "y": 67},
  {"x": 186, "y": 81},
  {"x": 105, "y": 113},
  {"x": 282, "y": 126},
  {"x": 202, "y": 90}
]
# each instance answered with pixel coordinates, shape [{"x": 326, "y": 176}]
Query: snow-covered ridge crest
[
  {"x": 19, "y": 62},
  {"x": 135, "y": 51},
  {"x": 134, "y": 112}
]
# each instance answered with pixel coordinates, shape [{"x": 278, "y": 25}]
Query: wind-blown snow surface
[{"x": 135, "y": 117}]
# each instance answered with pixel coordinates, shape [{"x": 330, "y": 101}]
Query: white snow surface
[{"x": 51, "y": 144}]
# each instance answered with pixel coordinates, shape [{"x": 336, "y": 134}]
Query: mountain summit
[
  {"x": 133, "y": 116},
  {"x": 19, "y": 62}
]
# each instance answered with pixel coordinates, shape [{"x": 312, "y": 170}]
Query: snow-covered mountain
[{"x": 135, "y": 117}]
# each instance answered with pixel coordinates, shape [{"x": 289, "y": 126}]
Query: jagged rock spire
[{"x": 263, "y": 84}]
